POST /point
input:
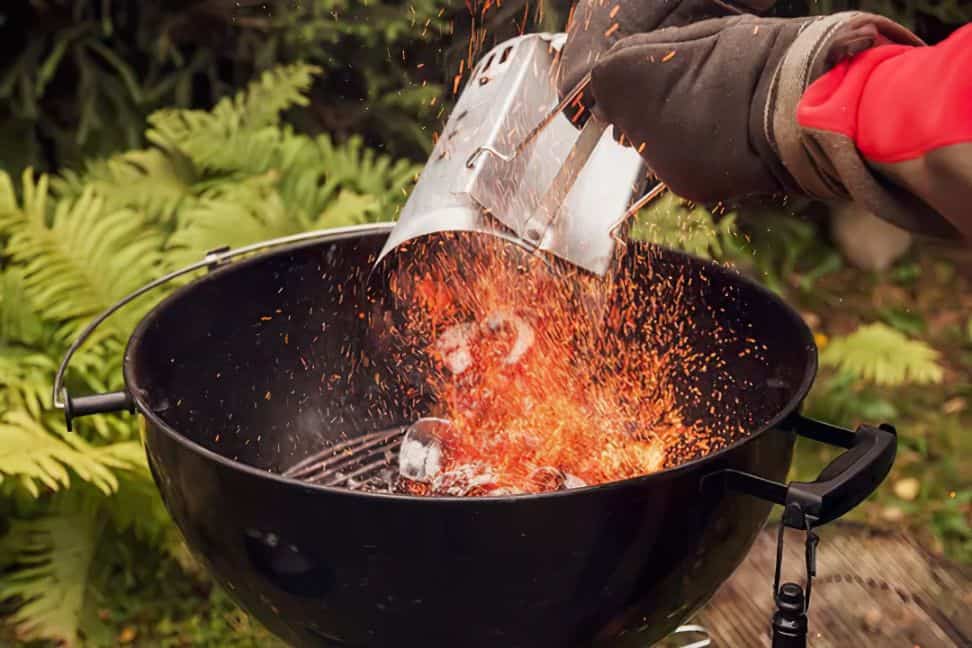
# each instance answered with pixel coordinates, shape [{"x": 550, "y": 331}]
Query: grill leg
[{"x": 702, "y": 639}]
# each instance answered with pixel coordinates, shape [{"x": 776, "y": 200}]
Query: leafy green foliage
[
  {"x": 82, "y": 75},
  {"x": 845, "y": 400},
  {"x": 219, "y": 623},
  {"x": 874, "y": 356},
  {"x": 783, "y": 250},
  {"x": 675, "y": 223},
  {"x": 905, "y": 320},
  {"x": 883, "y": 356},
  {"x": 22, "y": 375},
  {"x": 151, "y": 181},
  {"x": 44, "y": 244},
  {"x": 52, "y": 556},
  {"x": 39, "y": 459},
  {"x": 72, "y": 245},
  {"x": 159, "y": 606},
  {"x": 770, "y": 242},
  {"x": 239, "y": 130}
]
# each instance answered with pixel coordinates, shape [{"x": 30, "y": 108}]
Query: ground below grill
[{"x": 873, "y": 588}]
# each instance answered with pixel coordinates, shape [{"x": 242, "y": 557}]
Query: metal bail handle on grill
[
  {"x": 121, "y": 401},
  {"x": 846, "y": 482}
]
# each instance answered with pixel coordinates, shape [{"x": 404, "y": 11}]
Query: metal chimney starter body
[{"x": 477, "y": 181}]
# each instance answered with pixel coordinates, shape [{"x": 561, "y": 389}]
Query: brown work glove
[
  {"x": 596, "y": 25},
  {"x": 712, "y": 106}
]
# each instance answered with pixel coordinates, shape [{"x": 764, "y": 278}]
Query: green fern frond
[
  {"x": 47, "y": 578},
  {"x": 240, "y": 133},
  {"x": 37, "y": 458},
  {"x": 266, "y": 98},
  {"x": 33, "y": 204},
  {"x": 152, "y": 181},
  {"x": 349, "y": 208},
  {"x": 233, "y": 214},
  {"x": 19, "y": 324},
  {"x": 25, "y": 380},
  {"x": 137, "y": 505},
  {"x": 881, "y": 355},
  {"x": 80, "y": 259},
  {"x": 306, "y": 179},
  {"x": 671, "y": 222},
  {"x": 315, "y": 172},
  {"x": 97, "y": 369},
  {"x": 128, "y": 457},
  {"x": 358, "y": 167}
]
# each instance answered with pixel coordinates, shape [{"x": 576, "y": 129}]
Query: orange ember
[{"x": 548, "y": 376}]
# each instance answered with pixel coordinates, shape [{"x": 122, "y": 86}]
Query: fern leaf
[
  {"x": 8, "y": 193},
  {"x": 48, "y": 577},
  {"x": 81, "y": 258},
  {"x": 275, "y": 91},
  {"x": 240, "y": 133},
  {"x": 25, "y": 380},
  {"x": 671, "y": 223},
  {"x": 233, "y": 214},
  {"x": 313, "y": 173},
  {"x": 18, "y": 322},
  {"x": 349, "y": 208},
  {"x": 30, "y": 453},
  {"x": 152, "y": 181},
  {"x": 33, "y": 205},
  {"x": 137, "y": 505},
  {"x": 878, "y": 354},
  {"x": 357, "y": 167}
]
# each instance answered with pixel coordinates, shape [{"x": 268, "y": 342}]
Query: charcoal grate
[{"x": 366, "y": 462}]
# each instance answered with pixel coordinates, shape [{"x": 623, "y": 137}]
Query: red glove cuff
[{"x": 897, "y": 102}]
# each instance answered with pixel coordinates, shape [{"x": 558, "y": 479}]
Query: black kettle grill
[{"x": 234, "y": 375}]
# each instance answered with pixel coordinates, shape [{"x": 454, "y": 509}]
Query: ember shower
[{"x": 554, "y": 378}]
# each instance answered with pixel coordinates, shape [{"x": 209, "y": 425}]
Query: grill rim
[{"x": 130, "y": 372}]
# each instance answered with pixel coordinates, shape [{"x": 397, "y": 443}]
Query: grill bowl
[{"x": 233, "y": 375}]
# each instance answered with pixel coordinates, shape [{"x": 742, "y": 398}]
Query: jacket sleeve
[{"x": 891, "y": 128}]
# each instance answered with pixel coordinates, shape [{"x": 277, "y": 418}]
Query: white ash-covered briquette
[
  {"x": 524, "y": 333},
  {"x": 467, "y": 479},
  {"x": 549, "y": 478},
  {"x": 420, "y": 459},
  {"x": 529, "y": 379},
  {"x": 454, "y": 346}
]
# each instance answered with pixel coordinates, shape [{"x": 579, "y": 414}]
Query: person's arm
[
  {"x": 733, "y": 107},
  {"x": 908, "y": 113}
]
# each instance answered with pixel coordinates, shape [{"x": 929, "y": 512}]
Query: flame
[{"x": 542, "y": 370}]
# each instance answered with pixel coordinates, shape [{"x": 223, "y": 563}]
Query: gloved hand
[
  {"x": 712, "y": 106},
  {"x": 595, "y": 25}
]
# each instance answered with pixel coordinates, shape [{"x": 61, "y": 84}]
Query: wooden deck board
[{"x": 873, "y": 588}]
